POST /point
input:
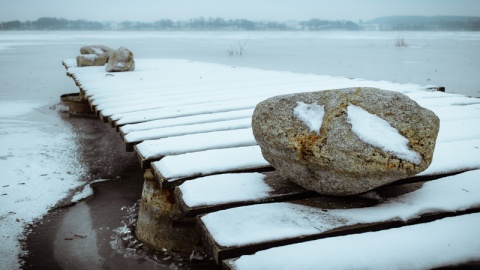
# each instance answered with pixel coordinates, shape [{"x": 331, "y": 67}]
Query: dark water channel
[{"x": 80, "y": 236}]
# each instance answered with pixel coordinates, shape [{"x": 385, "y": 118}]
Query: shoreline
[{"x": 78, "y": 235}]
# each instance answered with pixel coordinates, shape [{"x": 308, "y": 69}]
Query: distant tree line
[
  {"x": 52, "y": 24},
  {"x": 197, "y": 24},
  {"x": 424, "y": 23},
  {"x": 201, "y": 24},
  {"x": 395, "y": 23},
  {"x": 316, "y": 25}
]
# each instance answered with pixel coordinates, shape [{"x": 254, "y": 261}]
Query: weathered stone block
[
  {"x": 93, "y": 55},
  {"x": 347, "y": 141},
  {"x": 97, "y": 49},
  {"x": 86, "y": 60},
  {"x": 120, "y": 60}
]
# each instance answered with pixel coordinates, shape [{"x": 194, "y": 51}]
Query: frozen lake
[
  {"x": 448, "y": 59},
  {"x": 38, "y": 152}
]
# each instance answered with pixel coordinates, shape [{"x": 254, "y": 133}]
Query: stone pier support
[{"x": 160, "y": 223}]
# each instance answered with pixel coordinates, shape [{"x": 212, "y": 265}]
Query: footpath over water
[{"x": 189, "y": 124}]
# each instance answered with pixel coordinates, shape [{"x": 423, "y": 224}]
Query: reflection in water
[{"x": 75, "y": 245}]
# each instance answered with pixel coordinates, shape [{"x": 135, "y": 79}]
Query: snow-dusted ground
[
  {"x": 38, "y": 160},
  {"x": 38, "y": 169},
  {"x": 37, "y": 154}
]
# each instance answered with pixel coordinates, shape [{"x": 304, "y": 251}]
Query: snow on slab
[
  {"x": 188, "y": 120},
  {"x": 259, "y": 95},
  {"x": 459, "y": 130},
  {"x": 453, "y": 113},
  {"x": 164, "y": 132},
  {"x": 178, "y": 78},
  {"x": 184, "y": 76},
  {"x": 163, "y": 74},
  {"x": 201, "y": 193},
  {"x": 457, "y": 100},
  {"x": 97, "y": 50},
  {"x": 275, "y": 221},
  {"x": 196, "y": 142},
  {"x": 466, "y": 150},
  {"x": 214, "y": 92},
  {"x": 146, "y": 78},
  {"x": 444, "y": 242},
  {"x": 428, "y": 94},
  {"x": 170, "y": 89},
  {"x": 228, "y": 187},
  {"x": 186, "y": 101},
  {"x": 215, "y": 107},
  {"x": 91, "y": 57},
  {"x": 464, "y": 156},
  {"x": 168, "y": 73},
  {"x": 190, "y": 110},
  {"x": 210, "y": 162},
  {"x": 202, "y": 92},
  {"x": 377, "y": 132},
  {"x": 456, "y": 156}
]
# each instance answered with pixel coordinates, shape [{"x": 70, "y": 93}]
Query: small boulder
[
  {"x": 347, "y": 141},
  {"x": 97, "y": 49},
  {"x": 120, "y": 60},
  {"x": 93, "y": 55},
  {"x": 86, "y": 60}
]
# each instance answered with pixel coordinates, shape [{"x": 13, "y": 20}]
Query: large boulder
[
  {"x": 93, "y": 55},
  {"x": 347, "y": 141},
  {"x": 120, "y": 60}
]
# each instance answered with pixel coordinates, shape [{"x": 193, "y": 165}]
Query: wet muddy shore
[{"x": 80, "y": 236}]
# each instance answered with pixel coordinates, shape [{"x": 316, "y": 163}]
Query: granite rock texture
[
  {"x": 87, "y": 60},
  {"x": 308, "y": 138},
  {"x": 94, "y": 55},
  {"x": 97, "y": 49},
  {"x": 120, "y": 60}
]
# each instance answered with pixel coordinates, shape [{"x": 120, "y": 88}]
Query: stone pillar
[{"x": 160, "y": 223}]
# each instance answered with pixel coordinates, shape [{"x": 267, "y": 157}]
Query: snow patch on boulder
[
  {"x": 375, "y": 131},
  {"x": 310, "y": 114}
]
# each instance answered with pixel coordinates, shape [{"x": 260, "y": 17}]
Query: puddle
[{"x": 96, "y": 234}]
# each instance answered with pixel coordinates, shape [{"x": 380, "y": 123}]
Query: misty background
[
  {"x": 394, "y": 23},
  {"x": 302, "y": 15}
]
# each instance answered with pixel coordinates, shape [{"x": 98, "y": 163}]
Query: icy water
[{"x": 46, "y": 156}]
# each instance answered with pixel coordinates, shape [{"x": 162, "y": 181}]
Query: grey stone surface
[
  {"x": 93, "y": 55},
  {"x": 332, "y": 159},
  {"x": 120, "y": 60},
  {"x": 97, "y": 49},
  {"x": 86, "y": 60}
]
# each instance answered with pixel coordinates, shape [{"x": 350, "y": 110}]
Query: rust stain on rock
[
  {"x": 168, "y": 196},
  {"x": 307, "y": 145},
  {"x": 391, "y": 166}
]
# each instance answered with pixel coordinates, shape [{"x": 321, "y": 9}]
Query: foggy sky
[{"x": 280, "y": 10}]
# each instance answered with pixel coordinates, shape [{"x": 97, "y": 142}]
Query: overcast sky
[{"x": 280, "y": 10}]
